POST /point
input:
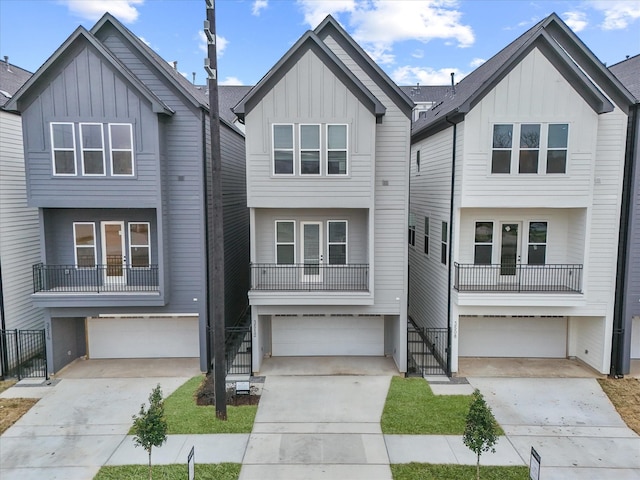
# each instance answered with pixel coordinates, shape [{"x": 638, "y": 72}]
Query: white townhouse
[{"x": 516, "y": 179}]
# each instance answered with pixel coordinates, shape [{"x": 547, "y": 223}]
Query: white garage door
[
  {"x": 513, "y": 337},
  {"x": 635, "y": 337},
  {"x": 157, "y": 337},
  {"x": 326, "y": 336}
]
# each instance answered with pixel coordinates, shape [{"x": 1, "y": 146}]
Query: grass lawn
[
  {"x": 425, "y": 471},
  {"x": 412, "y": 409},
  {"x": 624, "y": 393},
  {"x": 185, "y": 417},
  {"x": 11, "y": 409},
  {"x": 222, "y": 471}
]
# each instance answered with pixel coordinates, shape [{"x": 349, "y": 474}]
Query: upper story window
[
  {"x": 444, "y": 244},
  {"x": 92, "y": 148},
  {"x": 412, "y": 230},
  {"x": 310, "y": 149},
  {"x": 336, "y": 149},
  {"x": 337, "y": 242},
  {"x": 540, "y": 148},
  {"x": 283, "y": 149},
  {"x": 483, "y": 243},
  {"x": 139, "y": 244},
  {"x": 285, "y": 242},
  {"x": 84, "y": 242},
  {"x": 121, "y": 138},
  {"x": 63, "y": 148},
  {"x": 418, "y": 161},
  {"x": 537, "y": 253},
  {"x": 426, "y": 235}
]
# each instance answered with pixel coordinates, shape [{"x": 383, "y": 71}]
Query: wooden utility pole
[{"x": 215, "y": 230}]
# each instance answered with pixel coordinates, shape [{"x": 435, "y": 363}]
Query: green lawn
[
  {"x": 222, "y": 471},
  {"x": 412, "y": 409},
  {"x": 425, "y": 471}
]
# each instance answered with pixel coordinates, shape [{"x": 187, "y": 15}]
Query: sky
[{"x": 413, "y": 41}]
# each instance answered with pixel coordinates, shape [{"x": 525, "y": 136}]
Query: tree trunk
[
  {"x": 477, "y": 468},
  {"x": 150, "y": 474}
]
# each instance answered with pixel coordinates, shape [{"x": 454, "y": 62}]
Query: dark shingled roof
[
  {"x": 628, "y": 72},
  {"x": 425, "y": 93},
  {"x": 11, "y": 79},
  {"x": 228, "y": 97}
]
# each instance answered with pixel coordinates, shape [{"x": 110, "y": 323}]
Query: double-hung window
[
  {"x": 426, "y": 235},
  {"x": 84, "y": 243},
  {"x": 309, "y": 149},
  {"x": 337, "y": 242},
  {"x": 63, "y": 147},
  {"x": 529, "y": 148},
  {"x": 282, "y": 149},
  {"x": 418, "y": 161},
  {"x": 537, "y": 254},
  {"x": 444, "y": 244},
  {"x": 557, "y": 148},
  {"x": 121, "y": 142},
  {"x": 285, "y": 242},
  {"x": 483, "y": 243},
  {"x": 92, "y": 148},
  {"x": 139, "y": 244},
  {"x": 501, "y": 152},
  {"x": 337, "y": 150},
  {"x": 412, "y": 230}
]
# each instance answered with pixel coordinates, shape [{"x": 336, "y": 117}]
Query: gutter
[{"x": 450, "y": 255}]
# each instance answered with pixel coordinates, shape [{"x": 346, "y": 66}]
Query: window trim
[
  {"x": 491, "y": 243},
  {"x": 345, "y": 149},
  {"x": 75, "y": 245},
  {"x": 131, "y": 150},
  {"x": 345, "y": 243},
  {"x": 132, "y": 245},
  {"x": 54, "y": 150},
  {"x": 556, "y": 149},
  {"x": 294, "y": 243},
  {"x": 417, "y": 161},
  {"x": 300, "y": 149},
  {"x": 427, "y": 228},
  {"x": 412, "y": 229},
  {"x": 444, "y": 243},
  {"x": 292, "y": 149},
  {"x": 546, "y": 242},
  {"x": 90, "y": 149}
]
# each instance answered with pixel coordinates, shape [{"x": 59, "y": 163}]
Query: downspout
[
  {"x": 206, "y": 236},
  {"x": 450, "y": 255},
  {"x": 617, "y": 343}
]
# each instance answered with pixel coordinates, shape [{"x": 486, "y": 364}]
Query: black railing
[
  {"x": 23, "y": 353},
  {"x": 238, "y": 350},
  {"x": 518, "y": 278},
  {"x": 310, "y": 277},
  {"x": 426, "y": 350},
  {"x": 94, "y": 279}
]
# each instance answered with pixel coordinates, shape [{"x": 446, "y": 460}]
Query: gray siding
[
  {"x": 19, "y": 231},
  {"x": 67, "y": 340}
]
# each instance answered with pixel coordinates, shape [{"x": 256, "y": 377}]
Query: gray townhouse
[
  {"x": 626, "y": 335},
  {"x": 327, "y": 187},
  {"x": 115, "y": 142}
]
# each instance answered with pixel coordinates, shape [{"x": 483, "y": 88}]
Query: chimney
[
  {"x": 6, "y": 60},
  {"x": 453, "y": 82},
  {"x": 175, "y": 65},
  {"x": 194, "y": 77}
]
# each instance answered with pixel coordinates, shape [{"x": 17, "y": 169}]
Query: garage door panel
[
  {"x": 325, "y": 336},
  {"x": 162, "y": 337},
  {"x": 513, "y": 337}
]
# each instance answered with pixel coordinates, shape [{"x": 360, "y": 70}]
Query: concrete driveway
[{"x": 569, "y": 421}]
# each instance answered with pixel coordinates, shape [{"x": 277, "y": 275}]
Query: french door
[
  {"x": 509, "y": 247},
  {"x": 113, "y": 253},
  {"x": 312, "y": 254}
]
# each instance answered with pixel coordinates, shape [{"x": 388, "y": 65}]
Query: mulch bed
[{"x": 206, "y": 395}]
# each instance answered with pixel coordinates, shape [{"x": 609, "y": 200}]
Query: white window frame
[
  {"x": 491, "y": 243},
  {"x": 132, "y": 245},
  {"x": 539, "y": 149},
  {"x": 292, "y": 149},
  {"x": 91, "y": 149},
  {"x": 276, "y": 243},
  {"x": 346, "y": 149},
  {"x": 75, "y": 245},
  {"x": 444, "y": 243},
  {"x": 529, "y": 243},
  {"x": 131, "y": 150},
  {"x": 345, "y": 243},
  {"x": 412, "y": 229},
  {"x": 55, "y": 149},
  {"x": 300, "y": 149},
  {"x": 552, "y": 149}
]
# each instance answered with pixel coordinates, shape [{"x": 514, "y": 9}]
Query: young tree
[
  {"x": 150, "y": 426},
  {"x": 481, "y": 431}
]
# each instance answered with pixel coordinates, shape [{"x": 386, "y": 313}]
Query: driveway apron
[{"x": 319, "y": 427}]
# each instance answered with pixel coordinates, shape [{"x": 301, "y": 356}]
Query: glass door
[
  {"x": 509, "y": 248},
  {"x": 113, "y": 253},
  {"x": 312, "y": 251}
]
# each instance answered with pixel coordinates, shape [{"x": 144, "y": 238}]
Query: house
[
  {"x": 115, "y": 145},
  {"x": 19, "y": 238},
  {"x": 327, "y": 187},
  {"x": 626, "y": 334},
  {"x": 516, "y": 182}
]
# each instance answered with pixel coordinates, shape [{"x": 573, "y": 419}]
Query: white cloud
[
  {"x": 316, "y": 10},
  {"x": 524, "y": 23},
  {"x": 221, "y": 43},
  {"x": 408, "y": 75},
  {"x": 231, "y": 81},
  {"x": 259, "y": 5},
  {"x": 577, "y": 21},
  {"x": 418, "y": 54},
  {"x": 476, "y": 62},
  {"x": 146, "y": 42},
  {"x": 618, "y": 14},
  {"x": 123, "y": 10}
]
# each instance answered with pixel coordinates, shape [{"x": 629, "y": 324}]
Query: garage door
[
  {"x": 635, "y": 337},
  {"x": 138, "y": 337},
  {"x": 325, "y": 336},
  {"x": 513, "y": 337}
]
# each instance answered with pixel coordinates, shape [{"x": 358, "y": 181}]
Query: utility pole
[{"x": 215, "y": 231}]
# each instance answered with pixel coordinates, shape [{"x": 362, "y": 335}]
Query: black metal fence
[
  {"x": 310, "y": 277},
  {"x": 95, "y": 279},
  {"x": 426, "y": 350},
  {"x": 23, "y": 353},
  {"x": 518, "y": 278},
  {"x": 238, "y": 350}
]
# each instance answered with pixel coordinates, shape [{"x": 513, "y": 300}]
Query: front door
[
  {"x": 113, "y": 257},
  {"x": 312, "y": 251},
  {"x": 509, "y": 248}
]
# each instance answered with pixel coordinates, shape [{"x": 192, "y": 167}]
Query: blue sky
[{"x": 413, "y": 40}]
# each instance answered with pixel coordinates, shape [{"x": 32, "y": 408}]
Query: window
[
  {"x": 84, "y": 243},
  {"x": 426, "y": 235},
  {"x": 121, "y": 141},
  {"x": 557, "y": 148},
  {"x": 309, "y": 149},
  {"x": 337, "y": 242},
  {"x": 283, "y": 149},
  {"x": 412, "y": 230},
  {"x": 418, "y": 161},
  {"x": 483, "y": 243},
  {"x": 92, "y": 148},
  {"x": 139, "y": 245},
  {"x": 501, "y": 153},
  {"x": 529, "y": 148},
  {"x": 285, "y": 242},
  {"x": 445, "y": 243},
  {"x": 63, "y": 147},
  {"x": 537, "y": 243},
  {"x": 336, "y": 149}
]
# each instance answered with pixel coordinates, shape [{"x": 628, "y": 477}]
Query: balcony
[
  {"x": 558, "y": 278},
  {"x": 310, "y": 277}
]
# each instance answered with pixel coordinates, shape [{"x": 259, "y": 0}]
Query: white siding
[{"x": 588, "y": 342}]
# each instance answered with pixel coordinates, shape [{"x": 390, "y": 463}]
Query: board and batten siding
[{"x": 19, "y": 231}]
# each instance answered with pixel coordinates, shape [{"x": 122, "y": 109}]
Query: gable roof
[
  {"x": 560, "y": 45},
  {"x": 11, "y": 79},
  {"x": 309, "y": 42},
  {"x": 425, "y": 93},
  {"x": 628, "y": 72}
]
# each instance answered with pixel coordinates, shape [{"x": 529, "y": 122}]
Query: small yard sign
[
  {"x": 534, "y": 465},
  {"x": 243, "y": 388},
  {"x": 191, "y": 464}
]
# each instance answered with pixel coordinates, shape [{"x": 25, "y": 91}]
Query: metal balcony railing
[
  {"x": 562, "y": 278},
  {"x": 94, "y": 279},
  {"x": 310, "y": 277}
]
